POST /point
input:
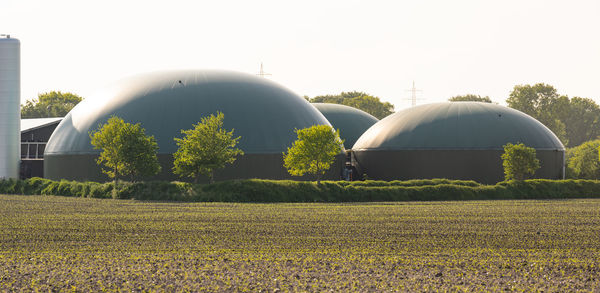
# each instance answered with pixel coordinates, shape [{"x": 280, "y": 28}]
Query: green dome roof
[
  {"x": 457, "y": 125},
  {"x": 262, "y": 112},
  {"x": 351, "y": 122}
]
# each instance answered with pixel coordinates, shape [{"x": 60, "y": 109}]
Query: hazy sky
[{"x": 314, "y": 47}]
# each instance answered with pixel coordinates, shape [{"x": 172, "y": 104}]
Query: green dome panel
[
  {"x": 351, "y": 122},
  {"x": 262, "y": 112},
  {"x": 457, "y": 126}
]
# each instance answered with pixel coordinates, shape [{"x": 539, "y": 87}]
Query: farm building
[
  {"x": 35, "y": 134},
  {"x": 351, "y": 122},
  {"x": 262, "y": 112},
  {"x": 455, "y": 140}
]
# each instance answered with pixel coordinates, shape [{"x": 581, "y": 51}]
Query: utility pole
[{"x": 262, "y": 73}]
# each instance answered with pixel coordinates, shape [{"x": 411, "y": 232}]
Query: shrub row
[{"x": 255, "y": 190}]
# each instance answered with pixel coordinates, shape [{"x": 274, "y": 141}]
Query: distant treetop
[
  {"x": 50, "y": 104},
  {"x": 360, "y": 100},
  {"x": 574, "y": 120},
  {"x": 470, "y": 98}
]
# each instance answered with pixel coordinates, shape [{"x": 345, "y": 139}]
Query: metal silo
[{"x": 10, "y": 100}]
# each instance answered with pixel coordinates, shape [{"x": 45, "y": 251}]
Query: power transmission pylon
[
  {"x": 414, "y": 91},
  {"x": 262, "y": 73}
]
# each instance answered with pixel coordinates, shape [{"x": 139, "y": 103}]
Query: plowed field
[{"x": 64, "y": 244}]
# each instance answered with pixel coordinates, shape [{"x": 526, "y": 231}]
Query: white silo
[{"x": 10, "y": 112}]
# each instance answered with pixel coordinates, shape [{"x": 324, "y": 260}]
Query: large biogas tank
[
  {"x": 10, "y": 100},
  {"x": 261, "y": 112}
]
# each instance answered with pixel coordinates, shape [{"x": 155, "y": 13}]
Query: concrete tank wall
[
  {"x": 10, "y": 112},
  {"x": 483, "y": 166}
]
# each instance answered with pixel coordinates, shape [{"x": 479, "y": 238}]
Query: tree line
[
  {"x": 126, "y": 150},
  {"x": 50, "y": 104},
  {"x": 359, "y": 100}
]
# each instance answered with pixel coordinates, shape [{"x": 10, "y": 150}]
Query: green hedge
[{"x": 255, "y": 190}]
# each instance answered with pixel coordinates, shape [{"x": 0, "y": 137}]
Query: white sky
[{"x": 314, "y": 47}]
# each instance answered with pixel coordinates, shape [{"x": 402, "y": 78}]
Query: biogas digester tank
[
  {"x": 351, "y": 122},
  {"x": 454, "y": 140},
  {"x": 10, "y": 111},
  {"x": 265, "y": 115}
]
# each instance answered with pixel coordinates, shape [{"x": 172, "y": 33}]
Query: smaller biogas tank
[{"x": 454, "y": 140}]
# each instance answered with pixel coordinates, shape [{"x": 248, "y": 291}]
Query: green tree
[
  {"x": 519, "y": 161},
  {"x": 470, "y": 98},
  {"x": 313, "y": 152},
  {"x": 51, "y": 104},
  {"x": 582, "y": 120},
  {"x": 205, "y": 148},
  {"x": 126, "y": 149},
  {"x": 582, "y": 160},
  {"x": 363, "y": 101},
  {"x": 532, "y": 99},
  {"x": 542, "y": 102}
]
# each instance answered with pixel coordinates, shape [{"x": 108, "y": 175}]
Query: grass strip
[{"x": 258, "y": 190}]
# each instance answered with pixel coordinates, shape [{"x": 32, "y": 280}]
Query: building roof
[
  {"x": 264, "y": 113},
  {"x": 457, "y": 125},
  {"x": 35, "y": 123},
  {"x": 351, "y": 122}
]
